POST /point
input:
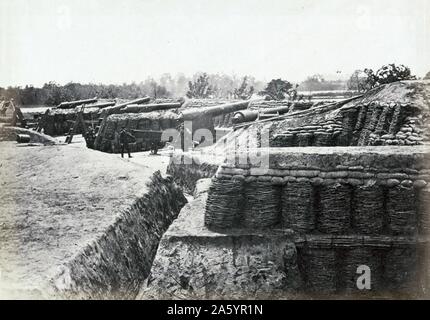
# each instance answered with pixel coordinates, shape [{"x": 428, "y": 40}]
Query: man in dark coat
[
  {"x": 90, "y": 136},
  {"x": 125, "y": 138}
]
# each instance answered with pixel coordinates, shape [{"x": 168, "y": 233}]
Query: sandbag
[
  {"x": 262, "y": 205},
  {"x": 223, "y": 203}
]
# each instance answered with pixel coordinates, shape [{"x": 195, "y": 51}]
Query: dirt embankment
[
  {"x": 116, "y": 264},
  {"x": 8, "y": 133},
  {"x": 79, "y": 223}
]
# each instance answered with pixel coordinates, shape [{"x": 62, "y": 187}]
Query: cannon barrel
[
  {"x": 301, "y": 105},
  {"x": 23, "y": 138},
  {"x": 115, "y": 109},
  {"x": 280, "y": 110},
  {"x": 135, "y": 108},
  {"x": 71, "y": 104},
  {"x": 245, "y": 116},
  {"x": 193, "y": 113},
  {"x": 104, "y": 104},
  {"x": 252, "y": 115}
]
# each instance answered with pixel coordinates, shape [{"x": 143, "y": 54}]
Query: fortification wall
[
  {"x": 58, "y": 122},
  {"x": 373, "y": 124},
  {"x": 150, "y": 121},
  {"x": 346, "y": 206},
  {"x": 159, "y": 121},
  {"x": 193, "y": 262},
  {"x": 394, "y": 114}
]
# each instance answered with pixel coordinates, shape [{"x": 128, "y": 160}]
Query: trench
[{"x": 114, "y": 265}]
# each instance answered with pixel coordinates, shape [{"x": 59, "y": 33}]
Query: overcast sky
[{"x": 111, "y": 41}]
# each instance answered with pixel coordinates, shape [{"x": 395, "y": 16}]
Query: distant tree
[
  {"x": 391, "y": 73},
  {"x": 243, "y": 92},
  {"x": 427, "y": 76},
  {"x": 277, "y": 89},
  {"x": 53, "y": 94},
  {"x": 181, "y": 85},
  {"x": 200, "y": 88},
  {"x": 371, "y": 80},
  {"x": 359, "y": 80},
  {"x": 200, "y": 85},
  {"x": 168, "y": 83},
  {"x": 162, "y": 92},
  {"x": 317, "y": 82},
  {"x": 386, "y": 74},
  {"x": 314, "y": 82},
  {"x": 29, "y": 95},
  {"x": 224, "y": 85},
  {"x": 158, "y": 91}
]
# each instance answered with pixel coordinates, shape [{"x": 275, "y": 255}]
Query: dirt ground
[{"x": 54, "y": 200}]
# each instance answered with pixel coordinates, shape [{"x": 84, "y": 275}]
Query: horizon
[
  {"x": 330, "y": 78},
  {"x": 105, "y": 42}
]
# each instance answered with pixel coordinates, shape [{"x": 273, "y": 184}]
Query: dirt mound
[
  {"x": 56, "y": 201},
  {"x": 8, "y": 133}
]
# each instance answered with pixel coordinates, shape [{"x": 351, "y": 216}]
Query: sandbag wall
[
  {"x": 372, "y": 123},
  {"x": 327, "y": 134},
  {"x": 149, "y": 121},
  {"x": 388, "y": 124},
  {"x": 159, "y": 121},
  {"x": 347, "y": 208},
  {"x": 57, "y": 122}
]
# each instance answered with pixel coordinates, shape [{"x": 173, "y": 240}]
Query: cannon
[
  {"x": 104, "y": 104},
  {"x": 252, "y": 115},
  {"x": 194, "y": 113},
  {"x": 136, "y": 108},
  {"x": 279, "y": 110},
  {"x": 245, "y": 116},
  {"x": 72, "y": 104},
  {"x": 23, "y": 138},
  {"x": 116, "y": 109}
]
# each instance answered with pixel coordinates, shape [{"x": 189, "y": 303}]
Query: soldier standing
[
  {"x": 125, "y": 138},
  {"x": 90, "y": 136},
  {"x": 69, "y": 136}
]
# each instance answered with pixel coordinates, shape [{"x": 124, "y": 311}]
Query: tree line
[
  {"x": 203, "y": 85},
  {"x": 200, "y": 85}
]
